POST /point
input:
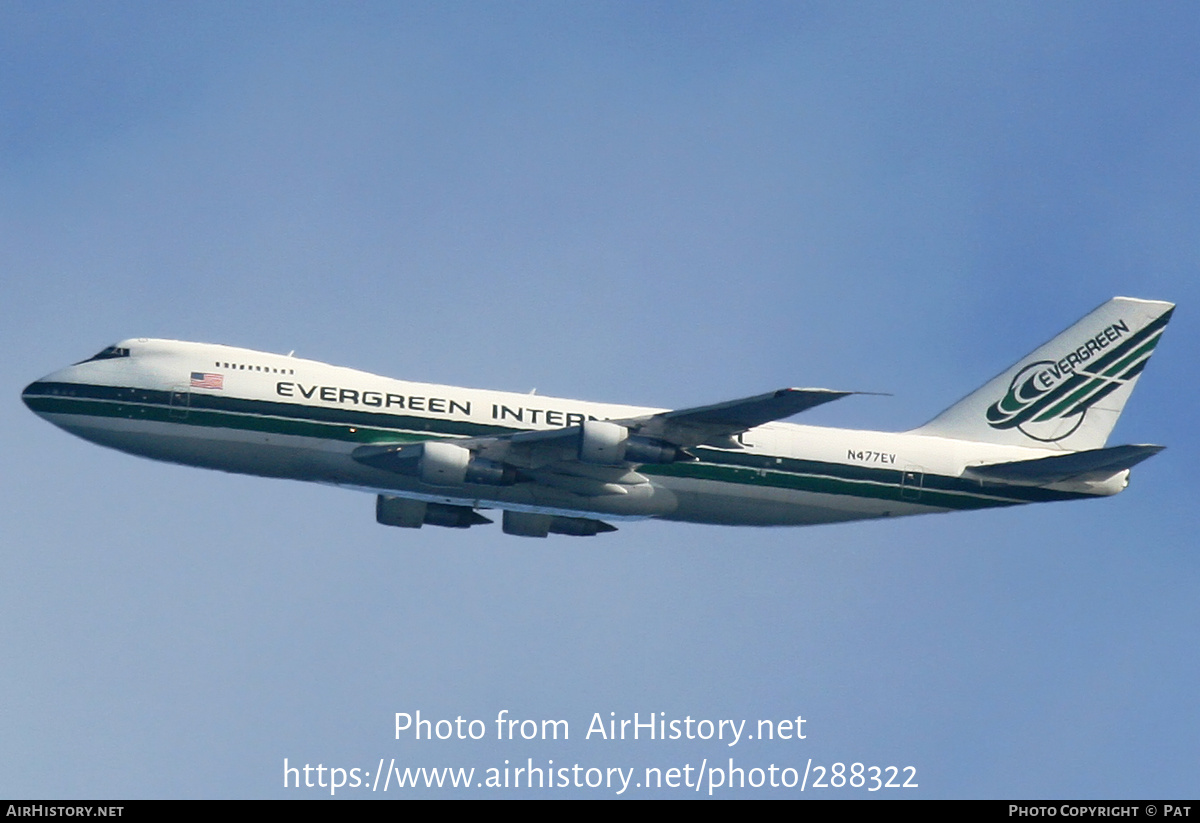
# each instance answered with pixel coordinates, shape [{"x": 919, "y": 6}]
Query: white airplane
[{"x": 438, "y": 454}]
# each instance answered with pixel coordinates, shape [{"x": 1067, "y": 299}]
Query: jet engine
[
  {"x": 445, "y": 464},
  {"x": 527, "y": 524},
  {"x": 413, "y": 514},
  {"x": 437, "y": 463},
  {"x": 609, "y": 444}
]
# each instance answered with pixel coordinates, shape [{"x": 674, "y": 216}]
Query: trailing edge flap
[
  {"x": 683, "y": 428},
  {"x": 1046, "y": 470}
]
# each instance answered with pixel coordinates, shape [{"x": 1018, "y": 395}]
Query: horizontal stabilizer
[{"x": 1046, "y": 470}]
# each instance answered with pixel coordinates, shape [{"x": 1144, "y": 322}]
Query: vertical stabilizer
[{"x": 1069, "y": 393}]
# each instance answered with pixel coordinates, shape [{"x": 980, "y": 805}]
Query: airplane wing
[
  {"x": 691, "y": 427},
  {"x": 603, "y": 452}
]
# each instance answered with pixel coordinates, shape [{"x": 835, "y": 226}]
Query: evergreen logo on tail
[{"x": 1044, "y": 396}]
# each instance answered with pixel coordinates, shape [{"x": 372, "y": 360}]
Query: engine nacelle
[
  {"x": 646, "y": 450},
  {"x": 602, "y": 442},
  {"x": 445, "y": 464},
  {"x": 528, "y": 524},
  {"x": 413, "y": 514},
  {"x": 609, "y": 444}
]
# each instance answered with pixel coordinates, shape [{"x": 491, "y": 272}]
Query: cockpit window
[{"x": 107, "y": 354}]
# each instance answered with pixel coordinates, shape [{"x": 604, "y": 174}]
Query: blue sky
[{"x": 665, "y": 204}]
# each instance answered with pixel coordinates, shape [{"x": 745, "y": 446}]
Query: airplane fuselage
[{"x": 271, "y": 415}]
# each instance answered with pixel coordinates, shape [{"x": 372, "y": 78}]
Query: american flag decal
[{"x": 202, "y": 380}]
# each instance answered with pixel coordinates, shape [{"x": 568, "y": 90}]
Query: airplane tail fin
[{"x": 1068, "y": 393}]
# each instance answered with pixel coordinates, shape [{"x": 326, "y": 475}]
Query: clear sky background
[{"x": 666, "y": 204}]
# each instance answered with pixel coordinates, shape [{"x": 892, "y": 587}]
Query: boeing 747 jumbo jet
[{"x": 438, "y": 455}]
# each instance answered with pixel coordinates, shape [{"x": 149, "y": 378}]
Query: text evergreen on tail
[{"x": 1068, "y": 393}]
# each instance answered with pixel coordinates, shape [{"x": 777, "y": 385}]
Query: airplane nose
[
  {"x": 35, "y": 396},
  {"x": 29, "y": 393},
  {"x": 45, "y": 395}
]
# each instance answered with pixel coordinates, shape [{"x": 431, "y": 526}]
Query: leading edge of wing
[{"x": 691, "y": 427}]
